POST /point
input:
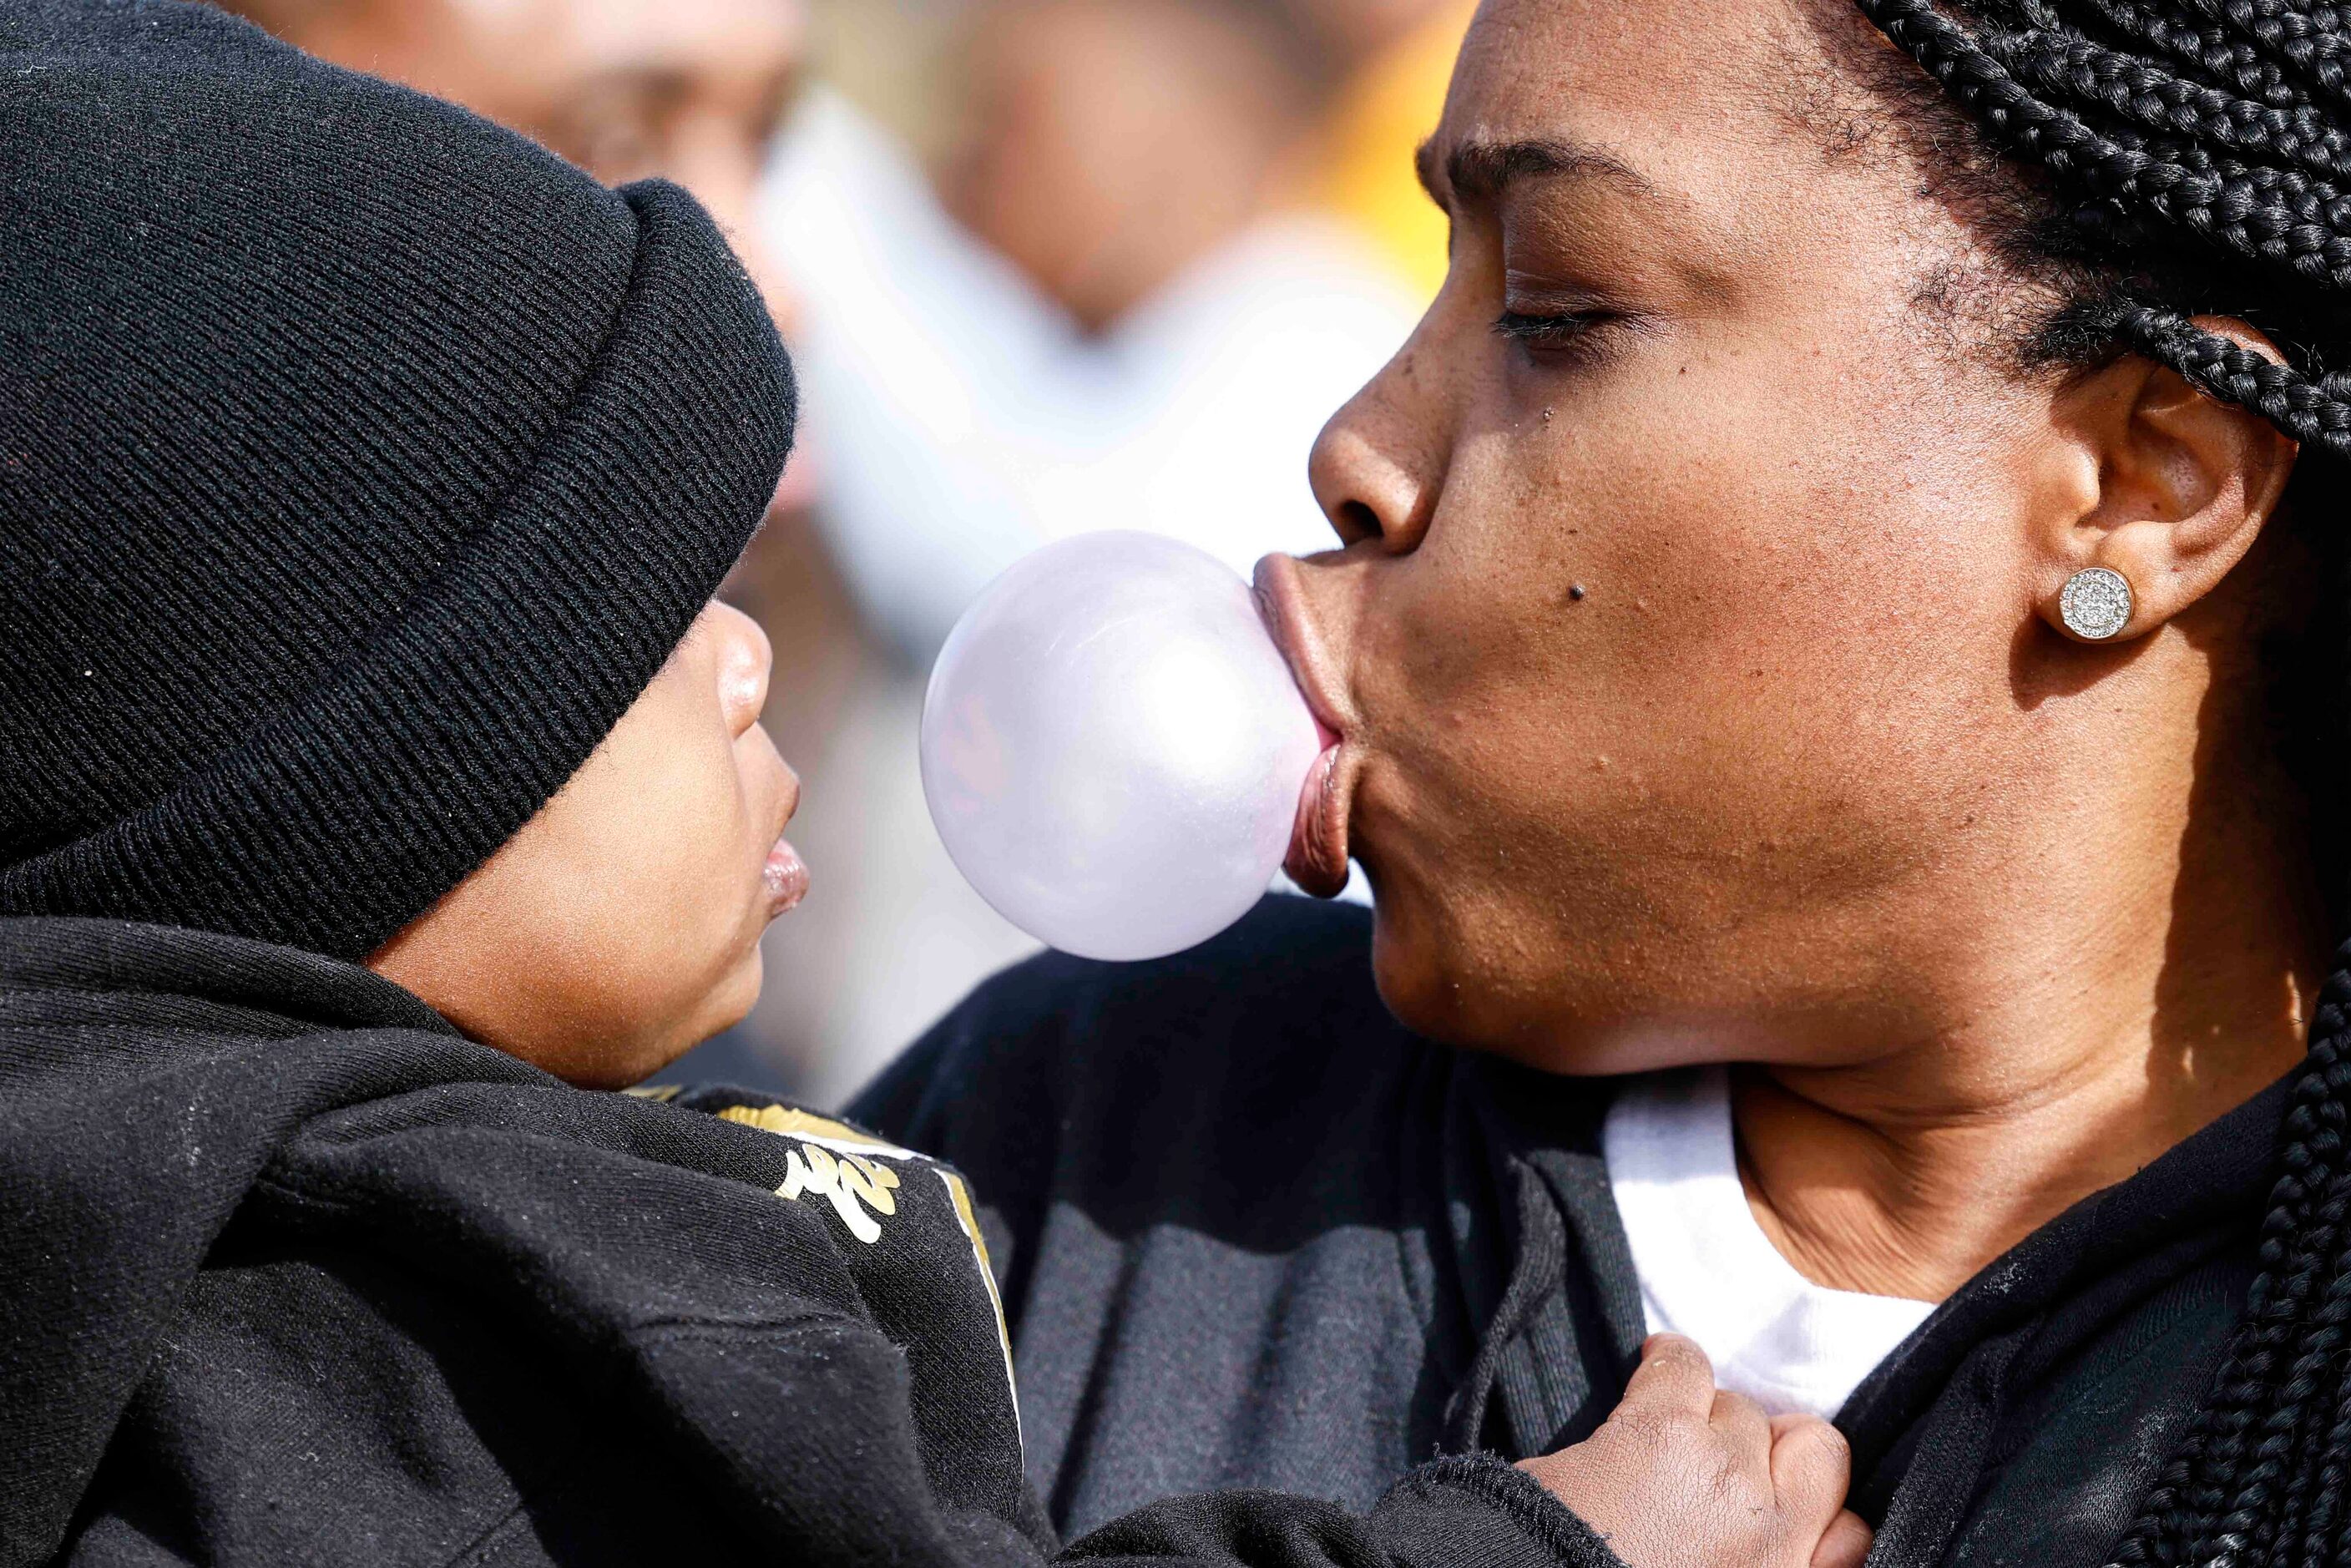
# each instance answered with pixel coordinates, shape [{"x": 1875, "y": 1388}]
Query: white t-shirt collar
[{"x": 1708, "y": 1270}]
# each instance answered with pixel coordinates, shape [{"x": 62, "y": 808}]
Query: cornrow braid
[
  {"x": 2312, "y": 408},
  {"x": 2188, "y": 159}
]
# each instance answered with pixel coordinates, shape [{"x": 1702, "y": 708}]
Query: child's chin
[
  {"x": 727, "y": 1004},
  {"x": 653, "y": 1047}
]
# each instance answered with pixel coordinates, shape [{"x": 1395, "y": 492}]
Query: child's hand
[{"x": 1683, "y": 1476}]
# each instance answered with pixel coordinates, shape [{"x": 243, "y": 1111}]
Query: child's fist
[{"x": 1685, "y": 1475}]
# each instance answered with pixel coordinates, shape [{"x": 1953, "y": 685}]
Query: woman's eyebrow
[{"x": 1480, "y": 171}]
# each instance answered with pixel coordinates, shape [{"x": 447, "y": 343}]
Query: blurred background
[{"x": 1046, "y": 265}]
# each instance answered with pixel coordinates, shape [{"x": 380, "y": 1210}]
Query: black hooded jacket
[
  {"x": 291, "y": 1272},
  {"x": 1253, "y": 1233}
]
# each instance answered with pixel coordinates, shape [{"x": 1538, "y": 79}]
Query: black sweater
[
  {"x": 1254, "y": 1233},
  {"x": 290, "y": 1272}
]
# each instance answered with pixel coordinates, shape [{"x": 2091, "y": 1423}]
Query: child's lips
[{"x": 785, "y": 876}]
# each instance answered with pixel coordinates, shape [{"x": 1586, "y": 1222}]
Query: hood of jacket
[{"x": 148, "y": 1076}]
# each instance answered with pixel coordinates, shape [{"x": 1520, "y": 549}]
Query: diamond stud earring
[{"x": 2095, "y": 603}]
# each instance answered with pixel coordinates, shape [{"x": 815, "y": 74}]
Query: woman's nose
[{"x": 1378, "y": 464}]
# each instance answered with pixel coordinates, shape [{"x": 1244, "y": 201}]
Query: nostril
[{"x": 1357, "y": 521}]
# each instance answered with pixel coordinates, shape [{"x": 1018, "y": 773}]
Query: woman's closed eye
[
  {"x": 1554, "y": 324},
  {"x": 1551, "y": 333}
]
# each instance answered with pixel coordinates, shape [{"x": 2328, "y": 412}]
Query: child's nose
[{"x": 746, "y": 661}]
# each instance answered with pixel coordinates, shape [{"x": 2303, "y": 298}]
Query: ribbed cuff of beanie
[{"x": 341, "y": 817}]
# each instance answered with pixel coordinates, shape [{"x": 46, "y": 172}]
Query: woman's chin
[
  {"x": 1418, "y": 982},
  {"x": 1531, "y": 1018}
]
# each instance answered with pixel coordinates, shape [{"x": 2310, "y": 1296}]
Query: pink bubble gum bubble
[{"x": 1112, "y": 747}]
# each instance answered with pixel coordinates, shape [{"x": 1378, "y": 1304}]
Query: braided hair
[{"x": 2182, "y": 158}]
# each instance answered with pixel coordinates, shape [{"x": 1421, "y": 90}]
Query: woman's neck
[
  {"x": 2079, "y": 1054},
  {"x": 1914, "y": 1206}
]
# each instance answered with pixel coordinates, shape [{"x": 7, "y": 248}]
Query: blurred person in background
[
  {"x": 1123, "y": 313},
  {"x": 685, "y": 88}
]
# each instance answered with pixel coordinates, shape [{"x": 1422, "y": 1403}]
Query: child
[{"x": 376, "y": 780}]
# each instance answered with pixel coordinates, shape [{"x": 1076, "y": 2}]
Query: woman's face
[{"x": 1684, "y": 637}]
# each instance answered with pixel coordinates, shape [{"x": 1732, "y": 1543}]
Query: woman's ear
[{"x": 2175, "y": 486}]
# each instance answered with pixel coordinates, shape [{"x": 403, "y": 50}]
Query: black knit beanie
[{"x": 361, "y": 463}]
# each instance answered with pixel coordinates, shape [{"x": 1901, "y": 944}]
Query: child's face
[{"x": 620, "y": 927}]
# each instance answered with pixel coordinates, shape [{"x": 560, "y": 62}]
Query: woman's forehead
[
  {"x": 1737, "y": 135},
  {"x": 1699, "y": 100}
]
